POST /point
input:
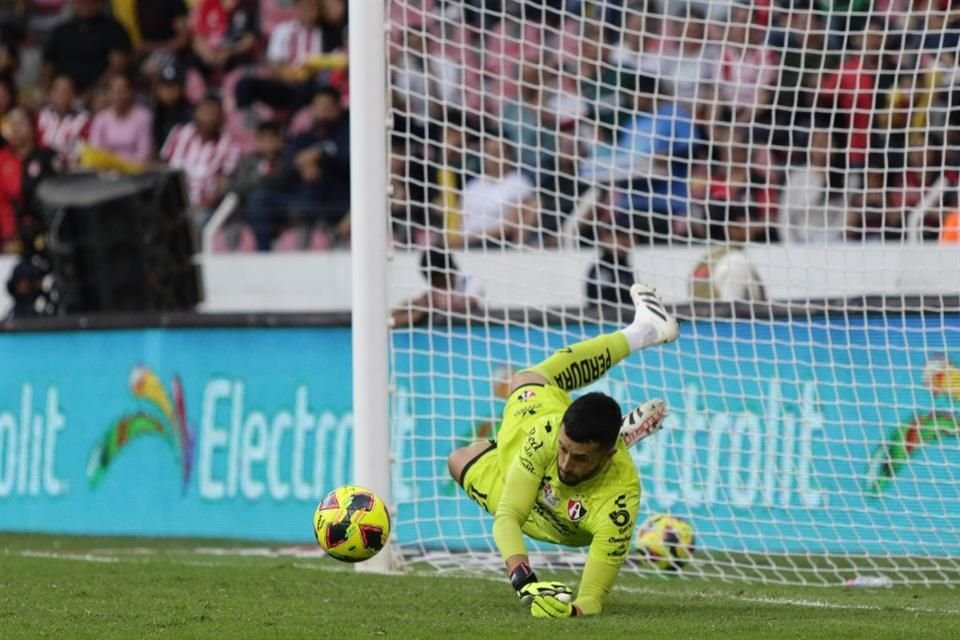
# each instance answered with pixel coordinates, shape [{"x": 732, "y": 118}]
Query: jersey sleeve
[
  {"x": 612, "y": 528},
  {"x": 520, "y": 488}
]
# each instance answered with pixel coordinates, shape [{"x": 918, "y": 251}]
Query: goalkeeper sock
[{"x": 584, "y": 362}]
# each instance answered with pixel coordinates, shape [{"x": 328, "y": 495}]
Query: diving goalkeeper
[{"x": 559, "y": 469}]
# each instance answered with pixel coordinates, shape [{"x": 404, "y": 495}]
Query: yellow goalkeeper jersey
[{"x": 599, "y": 512}]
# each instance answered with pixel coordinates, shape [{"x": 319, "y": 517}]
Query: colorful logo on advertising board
[
  {"x": 942, "y": 379},
  {"x": 165, "y": 421}
]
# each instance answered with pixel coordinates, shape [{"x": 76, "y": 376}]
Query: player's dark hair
[{"x": 593, "y": 417}]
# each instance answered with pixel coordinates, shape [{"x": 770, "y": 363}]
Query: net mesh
[{"x": 784, "y": 173}]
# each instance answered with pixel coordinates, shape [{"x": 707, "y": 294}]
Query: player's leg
[{"x": 582, "y": 363}]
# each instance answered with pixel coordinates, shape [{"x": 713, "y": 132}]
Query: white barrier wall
[{"x": 321, "y": 281}]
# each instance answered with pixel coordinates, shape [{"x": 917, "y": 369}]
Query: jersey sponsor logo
[
  {"x": 532, "y": 444},
  {"x": 528, "y": 410},
  {"x": 620, "y": 517},
  {"x": 575, "y": 510},
  {"x": 527, "y": 464}
]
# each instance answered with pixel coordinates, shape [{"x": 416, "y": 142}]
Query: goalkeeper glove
[
  {"x": 524, "y": 580},
  {"x": 557, "y": 606},
  {"x": 534, "y": 591}
]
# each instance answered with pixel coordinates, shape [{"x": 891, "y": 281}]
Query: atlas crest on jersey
[
  {"x": 526, "y": 395},
  {"x": 575, "y": 510}
]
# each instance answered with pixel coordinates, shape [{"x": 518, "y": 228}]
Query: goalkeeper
[{"x": 560, "y": 471}]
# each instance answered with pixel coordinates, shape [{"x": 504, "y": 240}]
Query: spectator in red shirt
[
  {"x": 225, "y": 33},
  {"x": 853, "y": 90},
  {"x": 23, "y": 165}
]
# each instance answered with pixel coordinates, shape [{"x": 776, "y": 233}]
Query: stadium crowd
[
  {"x": 247, "y": 96},
  {"x": 666, "y": 121}
]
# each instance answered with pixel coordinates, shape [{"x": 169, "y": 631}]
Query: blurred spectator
[
  {"x": 225, "y": 33},
  {"x": 124, "y": 128},
  {"x": 748, "y": 66},
  {"x": 8, "y": 96},
  {"x": 805, "y": 57},
  {"x": 687, "y": 62},
  {"x": 559, "y": 203},
  {"x": 499, "y": 205},
  {"x": 10, "y": 38},
  {"x": 448, "y": 292},
  {"x": 206, "y": 154},
  {"x": 258, "y": 177},
  {"x": 170, "y": 104},
  {"x": 611, "y": 276},
  {"x": 814, "y": 202},
  {"x": 87, "y": 47},
  {"x": 318, "y": 162},
  {"x": 63, "y": 122},
  {"x": 289, "y": 82},
  {"x": 162, "y": 33},
  {"x": 653, "y": 154},
  {"x": 607, "y": 87},
  {"x": 23, "y": 165},
  {"x": 413, "y": 72},
  {"x": 25, "y": 287},
  {"x": 530, "y": 126},
  {"x": 741, "y": 182},
  {"x": 852, "y": 91}
]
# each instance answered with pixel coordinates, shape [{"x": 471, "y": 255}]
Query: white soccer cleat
[
  {"x": 643, "y": 421},
  {"x": 652, "y": 319}
]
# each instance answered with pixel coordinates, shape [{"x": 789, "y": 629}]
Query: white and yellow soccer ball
[
  {"x": 666, "y": 542},
  {"x": 351, "y": 524}
]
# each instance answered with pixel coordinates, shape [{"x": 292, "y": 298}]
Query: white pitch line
[
  {"x": 82, "y": 557},
  {"x": 794, "y": 602}
]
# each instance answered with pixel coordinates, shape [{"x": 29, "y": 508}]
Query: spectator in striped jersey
[
  {"x": 289, "y": 82},
  {"x": 206, "y": 154},
  {"x": 63, "y": 122}
]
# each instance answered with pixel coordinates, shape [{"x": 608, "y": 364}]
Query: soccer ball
[
  {"x": 351, "y": 524},
  {"x": 667, "y": 542}
]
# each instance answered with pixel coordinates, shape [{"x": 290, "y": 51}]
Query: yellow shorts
[
  {"x": 482, "y": 479},
  {"x": 483, "y": 476}
]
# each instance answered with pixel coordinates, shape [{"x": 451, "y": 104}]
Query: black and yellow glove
[{"x": 557, "y": 591}]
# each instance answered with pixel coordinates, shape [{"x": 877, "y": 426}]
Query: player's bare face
[{"x": 579, "y": 461}]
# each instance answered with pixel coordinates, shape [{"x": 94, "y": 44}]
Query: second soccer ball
[{"x": 667, "y": 542}]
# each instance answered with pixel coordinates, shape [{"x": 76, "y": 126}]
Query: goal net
[{"x": 785, "y": 173}]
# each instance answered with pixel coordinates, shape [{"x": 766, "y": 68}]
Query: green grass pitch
[{"x": 73, "y": 587}]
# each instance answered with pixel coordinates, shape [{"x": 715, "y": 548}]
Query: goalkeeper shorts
[{"x": 482, "y": 479}]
